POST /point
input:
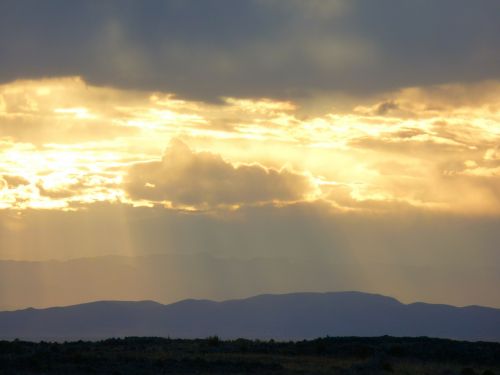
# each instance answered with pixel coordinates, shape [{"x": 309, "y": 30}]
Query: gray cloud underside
[{"x": 286, "y": 48}]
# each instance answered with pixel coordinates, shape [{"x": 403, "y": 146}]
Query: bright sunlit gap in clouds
[{"x": 66, "y": 143}]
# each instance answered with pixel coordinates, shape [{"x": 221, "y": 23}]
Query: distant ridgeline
[{"x": 281, "y": 317}]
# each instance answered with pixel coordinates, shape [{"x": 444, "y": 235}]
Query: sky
[{"x": 362, "y": 135}]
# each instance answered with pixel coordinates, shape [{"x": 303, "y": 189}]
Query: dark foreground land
[{"x": 348, "y": 355}]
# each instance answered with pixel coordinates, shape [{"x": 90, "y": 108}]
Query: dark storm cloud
[{"x": 206, "y": 49}]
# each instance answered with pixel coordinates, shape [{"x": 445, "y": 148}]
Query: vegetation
[{"x": 330, "y": 355}]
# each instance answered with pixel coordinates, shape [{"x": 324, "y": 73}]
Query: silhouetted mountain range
[
  {"x": 169, "y": 278},
  {"x": 284, "y": 317}
]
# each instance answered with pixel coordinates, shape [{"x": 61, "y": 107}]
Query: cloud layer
[
  {"x": 66, "y": 144},
  {"x": 252, "y": 48}
]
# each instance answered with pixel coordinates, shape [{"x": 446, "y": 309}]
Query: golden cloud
[
  {"x": 205, "y": 180},
  {"x": 67, "y": 143}
]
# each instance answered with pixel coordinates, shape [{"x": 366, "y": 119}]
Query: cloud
[
  {"x": 63, "y": 110},
  {"x": 473, "y": 100},
  {"x": 203, "y": 179},
  {"x": 14, "y": 181},
  {"x": 75, "y": 142},
  {"x": 256, "y": 48}
]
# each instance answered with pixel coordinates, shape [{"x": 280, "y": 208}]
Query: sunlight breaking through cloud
[{"x": 66, "y": 144}]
